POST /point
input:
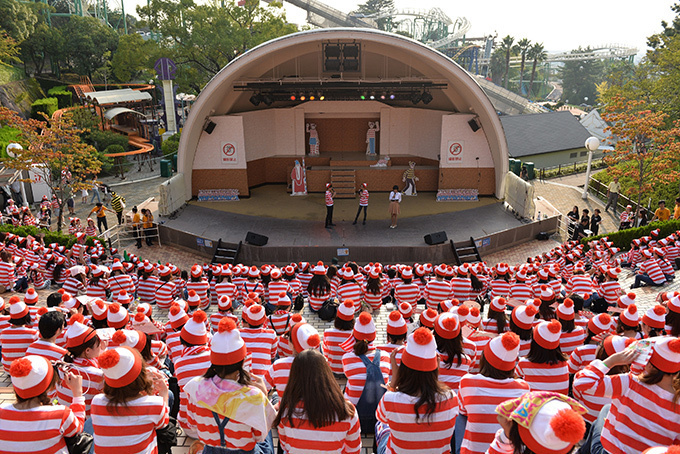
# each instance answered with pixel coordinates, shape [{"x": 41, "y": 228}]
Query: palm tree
[
  {"x": 508, "y": 48},
  {"x": 537, "y": 54},
  {"x": 524, "y": 44}
]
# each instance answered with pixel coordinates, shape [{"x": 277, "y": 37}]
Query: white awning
[
  {"x": 111, "y": 113},
  {"x": 117, "y": 96}
]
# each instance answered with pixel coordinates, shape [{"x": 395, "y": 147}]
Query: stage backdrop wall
[{"x": 342, "y": 134}]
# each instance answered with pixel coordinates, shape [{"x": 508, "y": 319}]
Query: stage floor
[{"x": 273, "y": 201}]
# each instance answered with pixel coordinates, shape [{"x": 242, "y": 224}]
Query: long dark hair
[
  {"x": 655, "y": 376},
  {"x": 500, "y": 317},
  {"x": 452, "y": 348},
  {"x": 373, "y": 286},
  {"x": 424, "y": 385},
  {"x": 343, "y": 325},
  {"x": 222, "y": 371},
  {"x": 75, "y": 352},
  {"x": 319, "y": 285},
  {"x": 119, "y": 397},
  {"x": 546, "y": 311},
  {"x": 541, "y": 355},
  {"x": 516, "y": 440},
  {"x": 524, "y": 334},
  {"x": 567, "y": 325},
  {"x": 673, "y": 320},
  {"x": 487, "y": 370},
  {"x": 311, "y": 383}
]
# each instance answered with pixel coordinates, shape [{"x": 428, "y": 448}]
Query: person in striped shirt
[
  {"x": 32, "y": 424},
  {"x": 418, "y": 412},
  {"x": 373, "y": 289},
  {"x": 319, "y": 287},
  {"x": 328, "y": 199},
  {"x": 334, "y": 337},
  {"x": 496, "y": 321},
  {"x": 649, "y": 272},
  {"x": 461, "y": 285},
  {"x": 521, "y": 323},
  {"x": 148, "y": 282},
  {"x": 349, "y": 289},
  {"x": 313, "y": 416},
  {"x": 18, "y": 336},
  {"x": 545, "y": 367},
  {"x": 7, "y": 276},
  {"x": 166, "y": 288},
  {"x": 407, "y": 291},
  {"x": 453, "y": 362},
  {"x": 437, "y": 289},
  {"x": 396, "y": 332},
  {"x": 598, "y": 326},
  {"x": 51, "y": 325},
  {"x": 572, "y": 336},
  {"x": 363, "y": 203},
  {"x": 261, "y": 342},
  {"x": 303, "y": 336}
]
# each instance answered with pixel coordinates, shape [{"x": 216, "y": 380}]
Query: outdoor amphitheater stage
[{"x": 295, "y": 227}]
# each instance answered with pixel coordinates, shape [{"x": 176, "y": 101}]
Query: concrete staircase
[{"x": 344, "y": 183}]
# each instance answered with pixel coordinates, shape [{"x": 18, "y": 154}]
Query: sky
[{"x": 560, "y": 26}]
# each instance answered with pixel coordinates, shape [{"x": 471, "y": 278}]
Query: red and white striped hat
[
  {"x": 145, "y": 308},
  {"x": 31, "y": 376},
  {"x": 421, "y": 351},
  {"x": 498, "y": 304},
  {"x": 521, "y": 275},
  {"x": 177, "y": 316},
  {"x": 600, "y": 323},
  {"x": 197, "y": 270},
  {"x": 99, "y": 309},
  {"x": 501, "y": 352},
  {"x": 666, "y": 355},
  {"x": 616, "y": 344},
  {"x": 77, "y": 333},
  {"x": 407, "y": 272},
  {"x": 227, "y": 347},
  {"x": 254, "y": 315},
  {"x": 193, "y": 299},
  {"x": 346, "y": 310},
  {"x": 164, "y": 270},
  {"x": 283, "y": 300},
  {"x": 396, "y": 325},
  {"x": 547, "y": 334},
  {"x": 69, "y": 302},
  {"x": 346, "y": 273},
  {"x": 148, "y": 266},
  {"x": 440, "y": 270},
  {"x": 547, "y": 293},
  {"x": 224, "y": 303},
  {"x": 364, "y": 328},
  {"x": 543, "y": 274},
  {"x": 406, "y": 310},
  {"x": 565, "y": 311},
  {"x": 675, "y": 449},
  {"x": 646, "y": 253},
  {"x": 674, "y": 304},
  {"x": 304, "y": 336},
  {"x": 31, "y": 297},
  {"x": 194, "y": 331},
  {"x": 17, "y": 308},
  {"x": 319, "y": 269},
  {"x": 117, "y": 265},
  {"x": 96, "y": 271},
  {"x": 448, "y": 305},
  {"x": 523, "y": 316},
  {"x": 631, "y": 316},
  {"x": 626, "y": 300},
  {"x": 117, "y": 316},
  {"x": 502, "y": 268},
  {"x": 289, "y": 270},
  {"x": 253, "y": 272},
  {"x": 655, "y": 317},
  {"x": 427, "y": 317},
  {"x": 446, "y": 325},
  {"x": 123, "y": 298},
  {"x": 374, "y": 272},
  {"x": 474, "y": 318},
  {"x": 276, "y": 273},
  {"x": 463, "y": 312},
  {"x": 129, "y": 338},
  {"x": 613, "y": 272},
  {"x": 121, "y": 366}
]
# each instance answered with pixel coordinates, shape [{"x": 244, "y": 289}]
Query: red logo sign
[
  {"x": 455, "y": 149},
  {"x": 229, "y": 156},
  {"x": 228, "y": 149}
]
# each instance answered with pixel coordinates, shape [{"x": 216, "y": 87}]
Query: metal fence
[
  {"x": 134, "y": 168},
  {"x": 599, "y": 189},
  {"x": 124, "y": 235},
  {"x": 568, "y": 169}
]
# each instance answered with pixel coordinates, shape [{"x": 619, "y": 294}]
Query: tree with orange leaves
[
  {"x": 53, "y": 150},
  {"x": 647, "y": 151}
]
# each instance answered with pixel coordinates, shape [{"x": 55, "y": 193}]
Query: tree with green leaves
[
  {"x": 536, "y": 54},
  {"x": 87, "y": 41},
  {"x": 134, "y": 56},
  {"x": 378, "y": 6},
  {"x": 523, "y": 45},
  {"x": 508, "y": 47},
  {"x": 9, "y": 50},
  {"x": 44, "y": 44},
  {"x": 579, "y": 79},
  {"x": 17, "y": 19}
]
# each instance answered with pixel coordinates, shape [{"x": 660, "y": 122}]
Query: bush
[
  {"x": 662, "y": 191},
  {"x": 45, "y": 105},
  {"x": 62, "y": 239},
  {"x": 63, "y": 96},
  {"x": 171, "y": 144},
  {"x": 101, "y": 140},
  {"x": 623, "y": 238},
  {"x": 7, "y": 135}
]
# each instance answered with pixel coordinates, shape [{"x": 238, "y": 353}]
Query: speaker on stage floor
[
  {"x": 256, "y": 239},
  {"x": 436, "y": 238}
]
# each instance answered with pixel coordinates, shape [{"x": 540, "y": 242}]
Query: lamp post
[{"x": 592, "y": 144}]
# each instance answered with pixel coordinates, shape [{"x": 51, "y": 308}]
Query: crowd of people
[{"x": 536, "y": 357}]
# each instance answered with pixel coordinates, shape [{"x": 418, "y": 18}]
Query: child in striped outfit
[
  {"x": 302, "y": 336},
  {"x": 545, "y": 367},
  {"x": 453, "y": 362},
  {"x": 262, "y": 343},
  {"x": 334, "y": 337},
  {"x": 18, "y": 336},
  {"x": 572, "y": 336}
]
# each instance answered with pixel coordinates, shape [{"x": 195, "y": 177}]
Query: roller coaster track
[{"x": 605, "y": 52}]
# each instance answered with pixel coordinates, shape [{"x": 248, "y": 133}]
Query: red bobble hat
[
  {"x": 565, "y": 311},
  {"x": 121, "y": 366},
  {"x": 99, "y": 309},
  {"x": 406, "y": 310},
  {"x": 346, "y": 310},
  {"x": 396, "y": 325},
  {"x": 283, "y": 300},
  {"x": 498, "y": 304},
  {"x": 427, "y": 317},
  {"x": 655, "y": 317},
  {"x": 129, "y": 338},
  {"x": 674, "y": 304},
  {"x": 502, "y": 269},
  {"x": 630, "y": 317},
  {"x": 547, "y": 334},
  {"x": 77, "y": 333},
  {"x": 626, "y": 300},
  {"x": 600, "y": 323},
  {"x": 197, "y": 270},
  {"x": 446, "y": 325},
  {"x": 254, "y": 315},
  {"x": 304, "y": 336},
  {"x": 31, "y": 297},
  {"x": 123, "y": 298},
  {"x": 364, "y": 328},
  {"x": 17, "y": 308},
  {"x": 31, "y": 376},
  {"x": 547, "y": 293},
  {"x": 421, "y": 351},
  {"x": 177, "y": 316},
  {"x": 474, "y": 319},
  {"x": 117, "y": 265},
  {"x": 319, "y": 269},
  {"x": 193, "y": 299},
  {"x": 407, "y": 272},
  {"x": 616, "y": 344},
  {"x": 117, "y": 316},
  {"x": 276, "y": 273},
  {"x": 194, "y": 330},
  {"x": 666, "y": 355},
  {"x": 69, "y": 302},
  {"x": 613, "y": 272},
  {"x": 501, "y": 352},
  {"x": 145, "y": 308},
  {"x": 253, "y": 272},
  {"x": 224, "y": 303},
  {"x": 523, "y": 316},
  {"x": 227, "y": 347}
]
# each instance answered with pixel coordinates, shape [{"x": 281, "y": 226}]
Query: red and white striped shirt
[
  {"x": 174, "y": 343},
  {"x": 248, "y": 287},
  {"x": 93, "y": 382},
  {"x": 276, "y": 287},
  {"x": 363, "y": 198},
  {"x": 164, "y": 294},
  {"x": 435, "y": 292},
  {"x": 6, "y": 274},
  {"x": 47, "y": 350},
  {"x": 461, "y": 288},
  {"x": 303, "y": 438},
  {"x": 520, "y": 291},
  {"x": 261, "y": 343},
  {"x": 277, "y": 375},
  {"x": 350, "y": 291},
  {"x": 316, "y": 301},
  {"x": 490, "y": 325},
  {"x": 217, "y": 316},
  {"x": 193, "y": 362},
  {"x": 201, "y": 288},
  {"x": 295, "y": 287},
  {"x": 329, "y": 199},
  {"x": 544, "y": 377},
  {"x": 280, "y": 322},
  {"x": 372, "y": 299},
  {"x": 451, "y": 374},
  {"x": 40, "y": 430},
  {"x": 652, "y": 269},
  {"x": 478, "y": 398},
  {"x": 73, "y": 286},
  {"x": 227, "y": 288},
  {"x": 431, "y": 436},
  {"x": 580, "y": 284},
  {"x": 146, "y": 290},
  {"x": 131, "y": 428},
  {"x": 97, "y": 290},
  {"x": 407, "y": 293},
  {"x": 581, "y": 357},
  {"x": 355, "y": 371},
  {"x": 570, "y": 341},
  {"x": 500, "y": 287},
  {"x": 641, "y": 416},
  {"x": 611, "y": 291},
  {"x": 332, "y": 338},
  {"x": 304, "y": 281},
  {"x": 15, "y": 340}
]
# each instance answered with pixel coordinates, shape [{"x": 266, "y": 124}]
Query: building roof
[
  {"x": 114, "y": 112},
  {"x": 594, "y": 123},
  {"x": 529, "y": 135},
  {"x": 124, "y": 95}
]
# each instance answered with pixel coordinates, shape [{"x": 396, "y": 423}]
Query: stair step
[
  {"x": 343, "y": 178},
  {"x": 343, "y": 172},
  {"x": 345, "y": 196}
]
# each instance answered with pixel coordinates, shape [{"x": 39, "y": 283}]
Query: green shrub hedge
[
  {"x": 63, "y": 239},
  {"x": 63, "y": 96},
  {"x": 101, "y": 140},
  {"x": 7, "y": 135},
  {"x": 623, "y": 238},
  {"x": 171, "y": 144},
  {"x": 45, "y": 105}
]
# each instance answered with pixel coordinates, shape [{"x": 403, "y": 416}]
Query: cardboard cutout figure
[
  {"x": 299, "y": 178},
  {"x": 313, "y": 139},
  {"x": 409, "y": 177},
  {"x": 370, "y": 137}
]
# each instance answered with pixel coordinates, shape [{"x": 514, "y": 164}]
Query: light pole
[{"x": 592, "y": 144}]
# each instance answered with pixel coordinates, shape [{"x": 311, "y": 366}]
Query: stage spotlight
[
  {"x": 351, "y": 51},
  {"x": 332, "y": 51},
  {"x": 255, "y": 99},
  {"x": 392, "y": 96},
  {"x": 292, "y": 97},
  {"x": 312, "y": 97},
  {"x": 372, "y": 95},
  {"x": 416, "y": 97},
  {"x": 383, "y": 96},
  {"x": 267, "y": 100},
  {"x": 322, "y": 97},
  {"x": 302, "y": 97},
  {"x": 363, "y": 96},
  {"x": 426, "y": 97}
]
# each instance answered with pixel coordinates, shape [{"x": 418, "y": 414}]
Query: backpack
[
  {"x": 166, "y": 437},
  {"x": 373, "y": 391},
  {"x": 299, "y": 302},
  {"x": 328, "y": 309}
]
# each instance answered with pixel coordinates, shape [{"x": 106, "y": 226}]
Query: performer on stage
[
  {"x": 363, "y": 203},
  {"x": 410, "y": 179},
  {"x": 395, "y": 200},
  {"x": 298, "y": 179},
  {"x": 373, "y": 127},
  {"x": 313, "y": 139},
  {"x": 330, "y": 193}
]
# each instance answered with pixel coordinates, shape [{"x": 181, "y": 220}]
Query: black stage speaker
[
  {"x": 209, "y": 127},
  {"x": 473, "y": 125},
  {"x": 256, "y": 239},
  {"x": 436, "y": 238}
]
